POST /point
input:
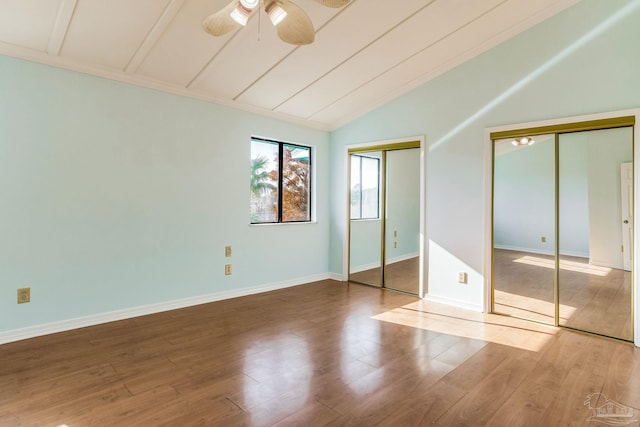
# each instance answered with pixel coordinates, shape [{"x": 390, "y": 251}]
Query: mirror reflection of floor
[
  {"x": 592, "y": 298},
  {"x": 401, "y": 276},
  {"x": 368, "y": 277}
]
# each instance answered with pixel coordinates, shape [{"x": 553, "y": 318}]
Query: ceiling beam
[
  {"x": 154, "y": 35},
  {"x": 61, "y": 26}
]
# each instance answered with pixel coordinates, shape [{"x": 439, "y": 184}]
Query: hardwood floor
[
  {"x": 326, "y": 353},
  {"x": 592, "y": 298}
]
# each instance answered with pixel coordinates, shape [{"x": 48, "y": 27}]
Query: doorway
[
  {"x": 385, "y": 227},
  {"x": 562, "y": 219}
]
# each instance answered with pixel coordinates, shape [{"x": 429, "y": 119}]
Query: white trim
[
  {"x": 372, "y": 265},
  {"x": 364, "y": 267},
  {"x": 127, "y": 313},
  {"x": 423, "y": 207},
  {"x": 272, "y": 224},
  {"x": 337, "y": 277},
  {"x": 453, "y": 302},
  {"x": 404, "y": 257},
  {"x": 488, "y": 169}
]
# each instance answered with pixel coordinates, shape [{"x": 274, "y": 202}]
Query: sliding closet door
[
  {"x": 384, "y": 216},
  {"x": 365, "y": 224},
  {"x": 402, "y": 225},
  {"x": 524, "y": 228},
  {"x": 594, "y": 281}
]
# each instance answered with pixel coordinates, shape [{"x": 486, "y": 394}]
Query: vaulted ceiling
[{"x": 364, "y": 54}]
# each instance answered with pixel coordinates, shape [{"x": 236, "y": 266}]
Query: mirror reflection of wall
[
  {"x": 524, "y": 229},
  {"x": 384, "y": 222},
  {"x": 591, "y": 206},
  {"x": 402, "y": 225},
  {"x": 594, "y": 288},
  {"x": 365, "y": 257}
]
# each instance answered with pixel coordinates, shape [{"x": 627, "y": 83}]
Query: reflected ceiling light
[
  {"x": 240, "y": 14},
  {"x": 525, "y": 140},
  {"x": 276, "y": 13}
]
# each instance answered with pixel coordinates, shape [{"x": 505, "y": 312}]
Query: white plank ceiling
[{"x": 364, "y": 54}]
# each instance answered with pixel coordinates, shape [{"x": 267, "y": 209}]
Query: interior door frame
[
  {"x": 389, "y": 144},
  {"x": 554, "y": 125}
]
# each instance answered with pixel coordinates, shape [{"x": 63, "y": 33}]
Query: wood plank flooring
[
  {"x": 592, "y": 298},
  {"x": 322, "y": 354}
]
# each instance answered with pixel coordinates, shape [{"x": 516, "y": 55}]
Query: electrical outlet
[
  {"x": 24, "y": 295},
  {"x": 462, "y": 277},
  {"x": 395, "y": 233},
  {"x": 543, "y": 239},
  {"x": 395, "y": 245},
  {"x": 227, "y": 251},
  {"x": 227, "y": 270}
]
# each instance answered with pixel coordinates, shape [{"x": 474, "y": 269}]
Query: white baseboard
[
  {"x": 127, "y": 313},
  {"x": 365, "y": 267},
  {"x": 336, "y": 276},
  {"x": 454, "y": 302},
  {"x": 403, "y": 257}
]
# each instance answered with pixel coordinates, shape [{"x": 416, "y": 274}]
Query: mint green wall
[
  {"x": 524, "y": 199},
  {"x": 114, "y": 196},
  {"x": 584, "y": 60},
  {"x": 403, "y": 205}
]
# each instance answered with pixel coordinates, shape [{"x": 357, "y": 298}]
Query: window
[
  {"x": 280, "y": 182},
  {"x": 365, "y": 187}
]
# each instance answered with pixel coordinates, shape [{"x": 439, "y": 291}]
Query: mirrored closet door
[
  {"x": 562, "y": 218},
  {"x": 384, "y": 212},
  {"x": 595, "y": 181},
  {"x": 524, "y": 228}
]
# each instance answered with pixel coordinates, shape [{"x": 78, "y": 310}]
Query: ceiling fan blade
[
  {"x": 296, "y": 28},
  {"x": 333, "y": 3},
  {"x": 220, "y": 23}
]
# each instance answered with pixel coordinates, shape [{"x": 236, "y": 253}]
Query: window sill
[{"x": 267, "y": 224}]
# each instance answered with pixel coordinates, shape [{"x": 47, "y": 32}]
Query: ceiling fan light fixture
[
  {"x": 276, "y": 13},
  {"x": 240, "y": 14},
  {"x": 250, "y": 4}
]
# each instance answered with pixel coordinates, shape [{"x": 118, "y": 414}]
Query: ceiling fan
[{"x": 292, "y": 23}]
